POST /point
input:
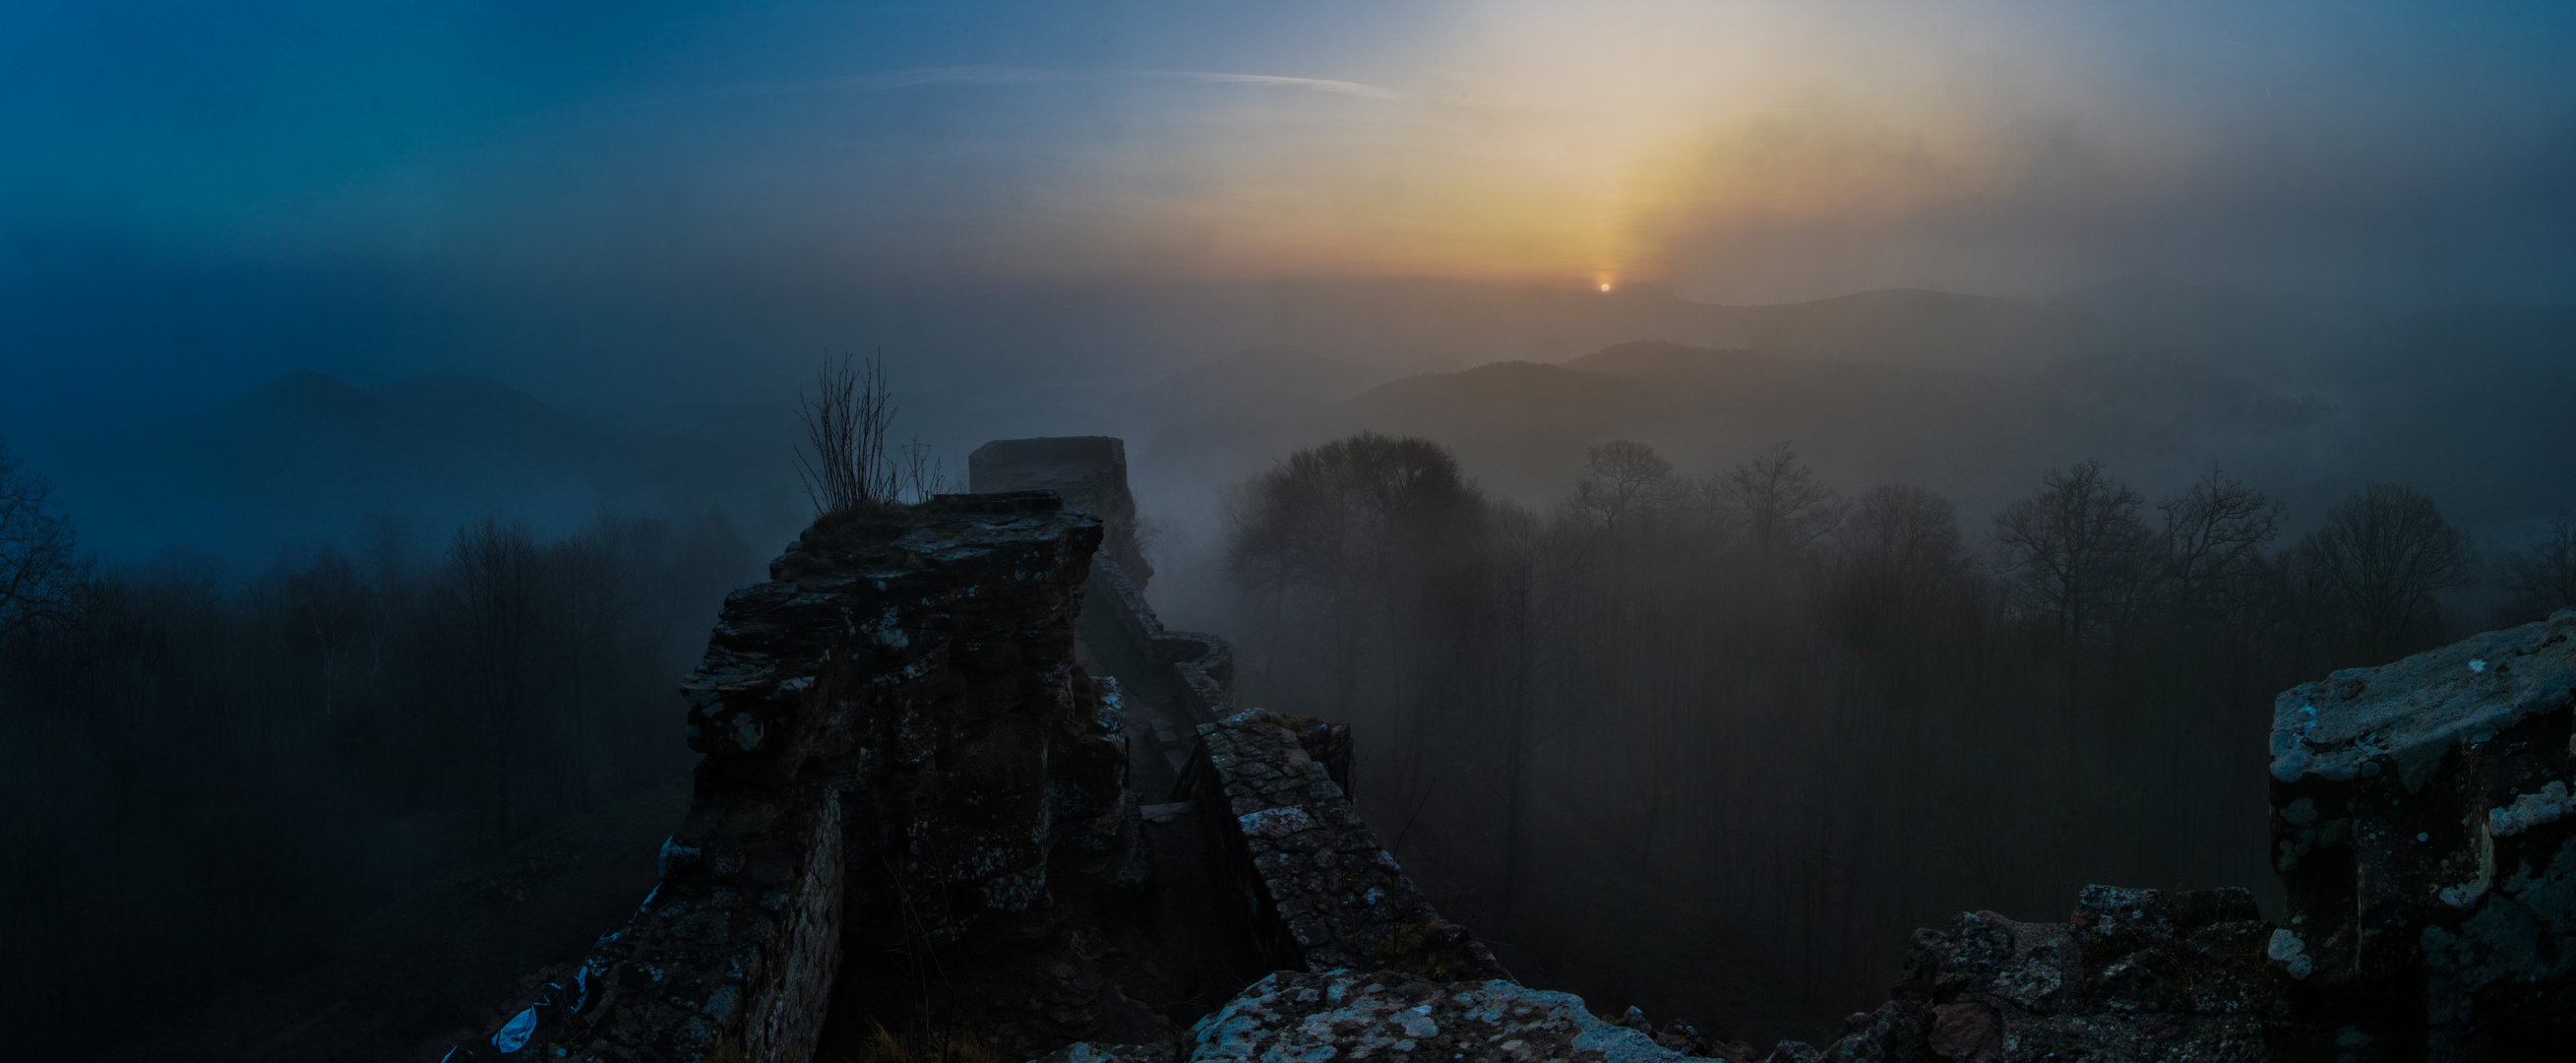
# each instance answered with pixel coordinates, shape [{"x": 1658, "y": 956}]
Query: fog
[{"x": 311, "y": 318}]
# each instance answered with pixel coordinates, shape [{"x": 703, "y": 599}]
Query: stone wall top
[
  {"x": 1089, "y": 472},
  {"x": 2421, "y": 826},
  {"x": 1321, "y": 892},
  {"x": 2406, "y": 714}
]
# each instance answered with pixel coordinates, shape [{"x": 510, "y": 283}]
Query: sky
[{"x": 654, "y": 201}]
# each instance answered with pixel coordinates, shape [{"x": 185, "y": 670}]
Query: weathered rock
[
  {"x": 2136, "y": 975},
  {"x": 1086, "y": 1052},
  {"x": 2420, "y": 824},
  {"x": 1376, "y": 1015}
]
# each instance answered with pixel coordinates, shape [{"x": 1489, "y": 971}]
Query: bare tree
[
  {"x": 1899, "y": 560},
  {"x": 1776, "y": 496},
  {"x": 843, "y": 460},
  {"x": 340, "y": 615},
  {"x": 1522, "y": 549},
  {"x": 1359, "y": 532},
  {"x": 40, "y": 571},
  {"x": 2076, "y": 551},
  {"x": 2215, "y": 532},
  {"x": 2383, "y": 553},
  {"x": 922, "y": 471},
  {"x": 494, "y": 580},
  {"x": 2542, "y": 575},
  {"x": 1902, "y": 531},
  {"x": 1621, "y": 480}
]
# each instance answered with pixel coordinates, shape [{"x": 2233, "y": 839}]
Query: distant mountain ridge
[
  {"x": 1970, "y": 395},
  {"x": 2304, "y": 405},
  {"x": 1649, "y": 358}
]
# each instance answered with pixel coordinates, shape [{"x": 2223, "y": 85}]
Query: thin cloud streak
[
  {"x": 1008, "y": 75},
  {"x": 1348, "y": 88}
]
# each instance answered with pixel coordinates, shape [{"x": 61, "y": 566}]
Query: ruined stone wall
[
  {"x": 897, "y": 710},
  {"x": 1311, "y": 882},
  {"x": 1200, "y": 665},
  {"x": 1090, "y": 472}
]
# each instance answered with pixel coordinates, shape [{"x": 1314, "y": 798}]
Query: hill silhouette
[
  {"x": 1922, "y": 329},
  {"x": 1971, "y": 396}
]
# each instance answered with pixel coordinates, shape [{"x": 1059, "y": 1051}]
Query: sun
[{"x": 1605, "y": 286}]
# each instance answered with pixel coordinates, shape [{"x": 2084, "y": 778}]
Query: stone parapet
[
  {"x": 1090, "y": 473},
  {"x": 1201, "y": 665},
  {"x": 1316, "y": 890}
]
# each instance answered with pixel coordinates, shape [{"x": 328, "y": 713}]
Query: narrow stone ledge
[{"x": 1315, "y": 887}]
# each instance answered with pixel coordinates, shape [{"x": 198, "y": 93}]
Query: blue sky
[{"x": 197, "y": 195}]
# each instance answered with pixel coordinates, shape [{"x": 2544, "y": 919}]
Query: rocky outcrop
[
  {"x": 2134, "y": 975},
  {"x": 1358, "y": 1015},
  {"x": 1376, "y": 1015},
  {"x": 2420, "y": 821}
]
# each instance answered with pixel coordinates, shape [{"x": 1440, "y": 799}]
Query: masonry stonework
[{"x": 910, "y": 783}]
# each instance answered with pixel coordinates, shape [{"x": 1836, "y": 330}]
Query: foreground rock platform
[
  {"x": 1376, "y": 1015},
  {"x": 2134, "y": 975}
]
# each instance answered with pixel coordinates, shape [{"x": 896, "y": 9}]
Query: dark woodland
[
  {"x": 1709, "y": 744},
  {"x": 218, "y": 775},
  {"x": 1718, "y": 744}
]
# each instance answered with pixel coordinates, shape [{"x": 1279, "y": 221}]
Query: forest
[
  {"x": 1717, "y": 745},
  {"x": 212, "y": 774}
]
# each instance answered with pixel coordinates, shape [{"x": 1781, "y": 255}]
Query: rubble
[
  {"x": 1361, "y": 1015},
  {"x": 2134, "y": 976}
]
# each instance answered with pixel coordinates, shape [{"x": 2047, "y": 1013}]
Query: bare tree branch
[
  {"x": 40, "y": 568},
  {"x": 843, "y": 460}
]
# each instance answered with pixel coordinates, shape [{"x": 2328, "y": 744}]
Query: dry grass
[{"x": 884, "y": 1047}]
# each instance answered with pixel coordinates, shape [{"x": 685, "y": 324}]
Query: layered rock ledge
[{"x": 2420, "y": 821}]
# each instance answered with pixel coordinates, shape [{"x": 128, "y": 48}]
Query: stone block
[{"x": 2420, "y": 825}]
